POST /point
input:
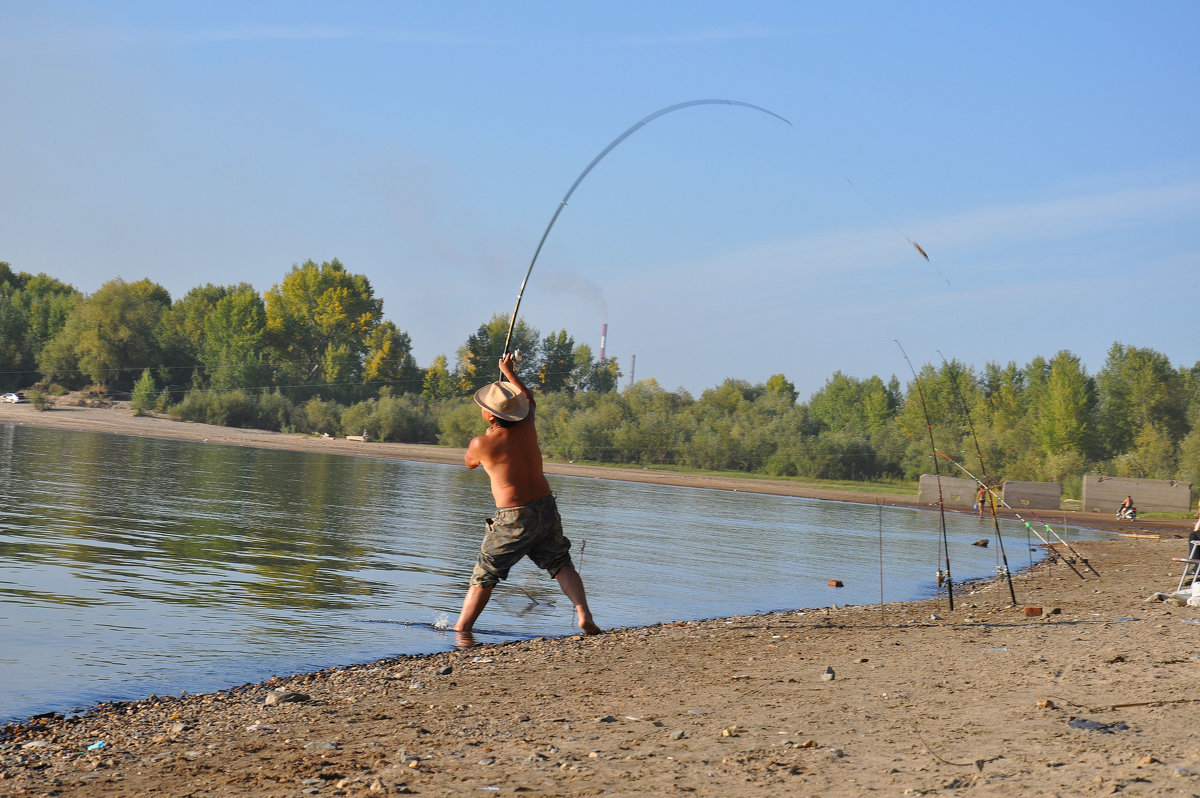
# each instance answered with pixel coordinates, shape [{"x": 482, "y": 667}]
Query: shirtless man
[{"x": 526, "y": 522}]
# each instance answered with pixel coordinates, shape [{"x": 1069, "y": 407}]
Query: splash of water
[{"x": 442, "y": 621}]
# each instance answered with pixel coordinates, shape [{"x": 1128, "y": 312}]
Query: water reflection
[{"x": 131, "y": 566}]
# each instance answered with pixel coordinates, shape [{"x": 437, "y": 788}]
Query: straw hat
[{"x": 503, "y": 400}]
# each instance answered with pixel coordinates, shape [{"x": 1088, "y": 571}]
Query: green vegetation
[{"x": 315, "y": 355}]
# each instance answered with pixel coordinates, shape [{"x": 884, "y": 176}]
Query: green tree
[
  {"x": 318, "y": 322},
  {"x": 1137, "y": 387},
  {"x": 557, "y": 363},
  {"x": 109, "y": 336},
  {"x": 181, "y": 331},
  {"x": 477, "y": 358},
  {"x": 234, "y": 336},
  {"x": 1063, "y": 402},
  {"x": 438, "y": 383},
  {"x": 588, "y": 374},
  {"x": 33, "y": 309},
  {"x": 389, "y": 360}
]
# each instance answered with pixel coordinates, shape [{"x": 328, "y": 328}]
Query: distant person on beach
[
  {"x": 1127, "y": 510},
  {"x": 1195, "y": 536},
  {"x": 980, "y": 498},
  {"x": 526, "y": 521}
]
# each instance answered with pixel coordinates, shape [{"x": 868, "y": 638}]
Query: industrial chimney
[{"x": 603, "y": 337}]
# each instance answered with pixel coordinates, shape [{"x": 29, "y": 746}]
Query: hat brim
[{"x": 517, "y": 412}]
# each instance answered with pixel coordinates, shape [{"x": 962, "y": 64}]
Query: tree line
[{"x": 315, "y": 354}]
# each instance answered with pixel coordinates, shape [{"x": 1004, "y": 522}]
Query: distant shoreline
[{"x": 117, "y": 419}]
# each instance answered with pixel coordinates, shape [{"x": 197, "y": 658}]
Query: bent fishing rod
[
  {"x": 943, "y": 542},
  {"x": 995, "y": 497},
  {"x": 563, "y": 202},
  {"x": 979, "y": 453}
]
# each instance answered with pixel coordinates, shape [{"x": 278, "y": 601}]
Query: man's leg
[
  {"x": 572, "y": 586},
  {"x": 473, "y": 604}
]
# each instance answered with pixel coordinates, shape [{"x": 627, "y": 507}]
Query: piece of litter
[
  {"x": 482, "y": 660},
  {"x": 1095, "y": 725},
  {"x": 96, "y": 746}
]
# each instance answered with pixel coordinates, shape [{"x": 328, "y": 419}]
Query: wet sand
[{"x": 1096, "y": 695}]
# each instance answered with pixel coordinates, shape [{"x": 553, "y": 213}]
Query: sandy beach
[{"x": 1084, "y": 688}]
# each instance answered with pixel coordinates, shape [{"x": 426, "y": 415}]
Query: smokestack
[
  {"x": 603, "y": 337},
  {"x": 632, "y": 363}
]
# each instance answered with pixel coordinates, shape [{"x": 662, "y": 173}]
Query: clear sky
[{"x": 1043, "y": 154}]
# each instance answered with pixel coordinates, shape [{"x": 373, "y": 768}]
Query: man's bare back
[{"x": 513, "y": 462}]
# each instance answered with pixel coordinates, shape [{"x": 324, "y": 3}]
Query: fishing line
[
  {"x": 920, "y": 250},
  {"x": 943, "y": 543},
  {"x": 563, "y": 202},
  {"x": 991, "y": 494}
]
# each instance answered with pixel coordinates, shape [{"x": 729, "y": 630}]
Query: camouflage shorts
[{"x": 534, "y": 530}]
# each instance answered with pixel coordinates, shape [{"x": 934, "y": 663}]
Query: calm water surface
[{"x": 131, "y": 566}]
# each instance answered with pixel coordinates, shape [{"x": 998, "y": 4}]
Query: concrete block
[
  {"x": 1033, "y": 495},
  {"x": 956, "y": 492},
  {"x": 1104, "y": 494}
]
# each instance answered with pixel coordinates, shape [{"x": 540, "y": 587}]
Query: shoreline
[
  {"x": 1094, "y": 695},
  {"x": 117, "y": 419}
]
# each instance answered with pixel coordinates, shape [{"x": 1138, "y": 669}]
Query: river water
[{"x": 131, "y": 566}]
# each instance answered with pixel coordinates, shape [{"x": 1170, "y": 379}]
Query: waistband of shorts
[{"x": 547, "y": 499}]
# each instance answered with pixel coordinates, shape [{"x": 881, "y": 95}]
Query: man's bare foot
[
  {"x": 589, "y": 627},
  {"x": 463, "y": 639}
]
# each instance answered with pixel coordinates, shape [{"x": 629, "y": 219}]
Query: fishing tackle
[
  {"x": 979, "y": 452},
  {"x": 563, "y": 203},
  {"x": 995, "y": 497},
  {"x": 943, "y": 543},
  {"x": 920, "y": 250}
]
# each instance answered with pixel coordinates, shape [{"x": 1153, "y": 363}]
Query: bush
[
  {"x": 402, "y": 419},
  {"x": 223, "y": 408},
  {"x": 40, "y": 400},
  {"x": 142, "y": 398}
]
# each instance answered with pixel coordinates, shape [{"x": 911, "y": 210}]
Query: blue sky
[{"x": 1043, "y": 154}]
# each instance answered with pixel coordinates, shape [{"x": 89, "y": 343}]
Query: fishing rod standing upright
[
  {"x": 943, "y": 542},
  {"x": 1012, "y": 594}
]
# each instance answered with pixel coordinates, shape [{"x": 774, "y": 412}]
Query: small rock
[
  {"x": 285, "y": 698},
  {"x": 322, "y": 745},
  {"x": 593, "y": 754},
  {"x": 731, "y": 731},
  {"x": 606, "y": 719},
  {"x": 178, "y": 728},
  {"x": 981, "y": 543},
  {"x": 445, "y": 670},
  {"x": 1182, "y": 771},
  {"x": 414, "y": 763},
  {"x": 828, "y": 675},
  {"x": 678, "y": 734},
  {"x": 1149, "y": 760},
  {"x": 809, "y": 744},
  {"x": 486, "y": 761},
  {"x": 1046, "y": 703}
]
